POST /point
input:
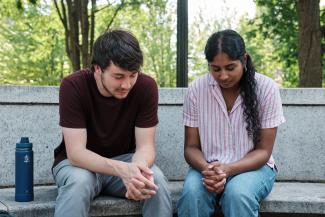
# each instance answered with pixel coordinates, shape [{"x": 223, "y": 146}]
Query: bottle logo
[{"x": 26, "y": 159}]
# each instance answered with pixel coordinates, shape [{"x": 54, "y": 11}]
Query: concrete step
[{"x": 286, "y": 197}]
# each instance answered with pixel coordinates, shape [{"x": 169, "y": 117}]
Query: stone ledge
[
  {"x": 44, "y": 202},
  {"x": 308, "y": 198},
  {"x": 296, "y": 197},
  {"x": 16, "y": 94}
]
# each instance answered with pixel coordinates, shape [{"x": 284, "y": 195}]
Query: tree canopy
[{"x": 42, "y": 41}]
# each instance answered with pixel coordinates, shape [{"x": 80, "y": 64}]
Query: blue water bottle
[{"x": 24, "y": 171}]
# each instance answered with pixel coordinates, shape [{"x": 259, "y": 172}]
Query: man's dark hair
[
  {"x": 232, "y": 44},
  {"x": 119, "y": 47}
]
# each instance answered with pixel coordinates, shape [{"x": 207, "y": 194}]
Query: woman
[{"x": 231, "y": 115}]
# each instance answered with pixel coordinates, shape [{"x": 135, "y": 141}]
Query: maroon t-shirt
[{"x": 110, "y": 122}]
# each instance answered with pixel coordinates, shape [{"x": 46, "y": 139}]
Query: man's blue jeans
[
  {"x": 240, "y": 198},
  {"x": 78, "y": 187}
]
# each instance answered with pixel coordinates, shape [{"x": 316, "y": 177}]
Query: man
[{"x": 108, "y": 117}]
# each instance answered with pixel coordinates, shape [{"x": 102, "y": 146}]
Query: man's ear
[{"x": 97, "y": 69}]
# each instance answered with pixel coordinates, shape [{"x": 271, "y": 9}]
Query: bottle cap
[{"x": 24, "y": 143}]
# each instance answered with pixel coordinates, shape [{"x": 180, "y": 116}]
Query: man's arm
[
  {"x": 144, "y": 158},
  {"x": 145, "y": 152},
  {"x": 80, "y": 156}
]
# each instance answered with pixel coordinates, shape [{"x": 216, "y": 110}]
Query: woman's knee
[
  {"x": 193, "y": 186},
  {"x": 237, "y": 195},
  {"x": 249, "y": 187}
]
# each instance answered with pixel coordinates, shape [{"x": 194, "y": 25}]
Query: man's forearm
[
  {"x": 91, "y": 161},
  {"x": 145, "y": 155}
]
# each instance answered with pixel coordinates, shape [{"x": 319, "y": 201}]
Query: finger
[
  {"x": 137, "y": 183},
  {"x": 133, "y": 192},
  {"x": 220, "y": 185},
  {"x": 209, "y": 188},
  {"x": 208, "y": 172},
  {"x": 219, "y": 190},
  {"x": 148, "y": 176},
  {"x": 145, "y": 169},
  {"x": 215, "y": 164},
  {"x": 139, "y": 194},
  {"x": 216, "y": 177},
  {"x": 148, "y": 183},
  {"x": 214, "y": 187},
  {"x": 140, "y": 186},
  {"x": 210, "y": 182},
  {"x": 129, "y": 194},
  {"x": 218, "y": 170},
  {"x": 147, "y": 192},
  {"x": 214, "y": 181}
]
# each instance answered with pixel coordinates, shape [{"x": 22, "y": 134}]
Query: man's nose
[{"x": 126, "y": 84}]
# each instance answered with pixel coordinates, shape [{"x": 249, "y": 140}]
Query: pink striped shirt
[{"x": 224, "y": 137}]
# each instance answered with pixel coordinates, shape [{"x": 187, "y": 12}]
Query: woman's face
[{"x": 226, "y": 72}]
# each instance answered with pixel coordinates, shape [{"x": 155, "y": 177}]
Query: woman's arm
[
  {"x": 256, "y": 158},
  {"x": 214, "y": 181},
  {"x": 192, "y": 149}
]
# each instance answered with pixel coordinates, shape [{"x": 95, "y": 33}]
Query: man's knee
[
  {"x": 82, "y": 177},
  {"x": 162, "y": 183},
  {"x": 79, "y": 180},
  {"x": 159, "y": 177}
]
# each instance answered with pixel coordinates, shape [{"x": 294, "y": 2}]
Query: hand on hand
[
  {"x": 214, "y": 177},
  {"x": 138, "y": 180}
]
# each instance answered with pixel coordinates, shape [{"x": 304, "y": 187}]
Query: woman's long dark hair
[{"x": 232, "y": 44}]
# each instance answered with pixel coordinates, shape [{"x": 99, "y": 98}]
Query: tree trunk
[
  {"x": 80, "y": 28},
  {"x": 73, "y": 21},
  {"x": 84, "y": 33},
  {"x": 92, "y": 27},
  {"x": 74, "y": 17},
  {"x": 310, "y": 55}
]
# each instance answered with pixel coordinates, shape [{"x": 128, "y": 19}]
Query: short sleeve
[
  {"x": 70, "y": 106},
  {"x": 190, "y": 111},
  {"x": 147, "y": 115},
  {"x": 271, "y": 108}
]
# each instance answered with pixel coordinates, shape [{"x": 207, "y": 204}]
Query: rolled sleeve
[
  {"x": 272, "y": 112},
  {"x": 190, "y": 111}
]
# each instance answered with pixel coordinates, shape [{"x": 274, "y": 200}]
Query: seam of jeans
[
  {"x": 264, "y": 183},
  {"x": 61, "y": 166}
]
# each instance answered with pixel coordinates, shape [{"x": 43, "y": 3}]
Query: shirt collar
[{"x": 211, "y": 80}]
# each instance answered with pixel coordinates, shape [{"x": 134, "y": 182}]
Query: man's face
[{"x": 115, "y": 81}]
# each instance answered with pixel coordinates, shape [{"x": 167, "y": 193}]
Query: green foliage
[
  {"x": 31, "y": 46},
  {"x": 199, "y": 32},
  {"x": 32, "y": 43},
  {"x": 32, "y": 40},
  {"x": 277, "y": 22},
  {"x": 153, "y": 24},
  {"x": 20, "y": 5}
]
